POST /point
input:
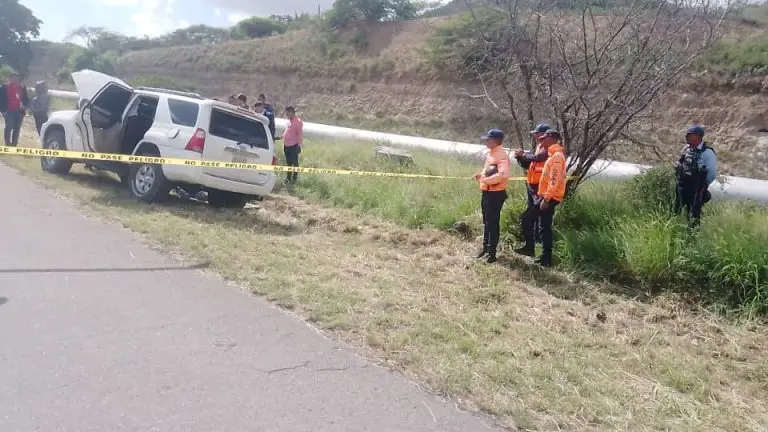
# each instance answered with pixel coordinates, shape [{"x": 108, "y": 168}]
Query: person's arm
[
  {"x": 479, "y": 175},
  {"x": 556, "y": 176},
  {"x": 299, "y": 131},
  {"x": 537, "y": 157},
  {"x": 709, "y": 162},
  {"x": 502, "y": 173}
]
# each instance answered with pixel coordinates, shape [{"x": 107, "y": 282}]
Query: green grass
[
  {"x": 624, "y": 233},
  {"x": 537, "y": 349},
  {"x": 746, "y": 57}
]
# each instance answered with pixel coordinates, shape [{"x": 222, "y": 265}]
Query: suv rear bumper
[{"x": 239, "y": 186}]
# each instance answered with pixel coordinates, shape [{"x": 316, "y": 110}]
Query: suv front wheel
[
  {"x": 55, "y": 140},
  {"x": 147, "y": 183}
]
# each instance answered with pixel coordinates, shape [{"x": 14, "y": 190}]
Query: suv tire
[
  {"x": 147, "y": 183},
  {"x": 55, "y": 140},
  {"x": 223, "y": 199}
]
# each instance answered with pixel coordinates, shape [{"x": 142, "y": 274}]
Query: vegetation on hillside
[
  {"x": 347, "y": 12},
  {"x": 17, "y": 27},
  {"x": 592, "y": 69},
  {"x": 738, "y": 58},
  {"x": 5, "y": 72}
]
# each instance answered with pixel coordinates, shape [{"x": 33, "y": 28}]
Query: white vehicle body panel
[{"x": 168, "y": 136}]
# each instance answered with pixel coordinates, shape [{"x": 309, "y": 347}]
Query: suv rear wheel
[
  {"x": 147, "y": 182},
  {"x": 223, "y": 199},
  {"x": 55, "y": 140}
]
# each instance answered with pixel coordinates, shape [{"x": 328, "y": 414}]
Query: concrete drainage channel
[{"x": 727, "y": 188}]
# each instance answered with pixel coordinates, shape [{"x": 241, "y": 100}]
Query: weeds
[
  {"x": 624, "y": 233},
  {"x": 530, "y": 355}
]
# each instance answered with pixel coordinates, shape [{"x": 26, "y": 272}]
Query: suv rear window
[
  {"x": 238, "y": 129},
  {"x": 183, "y": 113}
]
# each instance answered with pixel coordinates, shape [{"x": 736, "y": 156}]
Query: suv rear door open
[{"x": 238, "y": 138}]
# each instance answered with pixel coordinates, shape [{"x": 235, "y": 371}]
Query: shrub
[
  {"x": 256, "y": 27},
  {"x": 654, "y": 190},
  {"x": 345, "y": 12},
  {"x": 748, "y": 57}
]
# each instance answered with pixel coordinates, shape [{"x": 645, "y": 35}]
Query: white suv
[{"x": 116, "y": 118}]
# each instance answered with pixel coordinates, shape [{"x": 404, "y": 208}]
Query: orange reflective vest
[
  {"x": 535, "y": 168},
  {"x": 495, "y": 174},
  {"x": 553, "y": 176}
]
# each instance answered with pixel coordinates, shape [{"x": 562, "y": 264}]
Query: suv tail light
[
  {"x": 197, "y": 142},
  {"x": 275, "y": 160}
]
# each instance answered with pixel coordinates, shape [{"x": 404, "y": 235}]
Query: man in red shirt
[{"x": 16, "y": 99}]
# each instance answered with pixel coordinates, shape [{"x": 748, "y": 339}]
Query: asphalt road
[{"x": 100, "y": 333}]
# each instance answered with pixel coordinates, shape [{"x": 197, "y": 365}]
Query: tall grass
[{"x": 622, "y": 232}]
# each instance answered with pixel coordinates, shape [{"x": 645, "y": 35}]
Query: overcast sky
[{"x": 155, "y": 17}]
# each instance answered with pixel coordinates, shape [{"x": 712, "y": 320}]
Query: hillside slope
[{"x": 387, "y": 84}]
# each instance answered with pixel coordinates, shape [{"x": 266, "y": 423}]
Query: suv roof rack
[{"x": 173, "y": 92}]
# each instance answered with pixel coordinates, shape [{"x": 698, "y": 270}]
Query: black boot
[
  {"x": 482, "y": 253},
  {"x": 491, "y": 258},
  {"x": 527, "y": 250}
]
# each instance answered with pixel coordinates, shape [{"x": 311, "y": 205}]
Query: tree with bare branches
[{"x": 591, "y": 69}]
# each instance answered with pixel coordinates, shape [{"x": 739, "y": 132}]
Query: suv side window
[
  {"x": 183, "y": 113},
  {"x": 239, "y": 129}
]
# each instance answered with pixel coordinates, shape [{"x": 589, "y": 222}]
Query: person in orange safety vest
[
  {"x": 551, "y": 190},
  {"x": 493, "y": 181},
  {"x": 534, "y": 163}
]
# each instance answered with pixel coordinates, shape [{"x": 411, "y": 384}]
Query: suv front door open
[{"x": 102, "y": 116}]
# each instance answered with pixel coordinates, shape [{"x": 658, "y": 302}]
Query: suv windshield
[{"x": 238, "y": 129}]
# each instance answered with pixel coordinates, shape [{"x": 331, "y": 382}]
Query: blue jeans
[{"x": 12, "y": 127}]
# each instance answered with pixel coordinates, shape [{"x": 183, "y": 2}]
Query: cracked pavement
[{"x": 100, "y": 333}]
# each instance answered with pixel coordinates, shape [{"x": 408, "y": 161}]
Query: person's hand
[
  {"x": 519, "y": 153},
  {"x": 477, "y": 176},
  {"x": 544, "y": 206}
]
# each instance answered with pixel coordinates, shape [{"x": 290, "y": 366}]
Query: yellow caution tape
[{"x": 130, "y": 159}]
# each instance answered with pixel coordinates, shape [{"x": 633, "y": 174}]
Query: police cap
[
  {"x": 695, "y": 130},
  {"x": 494, "y": 134}
]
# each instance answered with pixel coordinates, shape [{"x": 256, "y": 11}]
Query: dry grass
[{"x": 539, "y": 351}]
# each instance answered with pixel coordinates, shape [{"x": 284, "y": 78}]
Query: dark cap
[
  {"x": 695, "y": 130},
  {"x": 241, "y": 96},
  {"x": 290, "y": 108},
  {"x": 494, "y": 134},
  {"x": 541, "y": 128},
  {"x": 553, "y": 133}
]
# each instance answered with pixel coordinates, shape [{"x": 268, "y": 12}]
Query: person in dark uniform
[
  {"x": 493, "y": 180},
  {"x": 696, "y": 169},
  {"x": 269, "y": 111},
  {"x": 534, "y": 163}
]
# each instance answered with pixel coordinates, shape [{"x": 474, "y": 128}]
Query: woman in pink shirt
[{"x": 292, "y": 139}]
